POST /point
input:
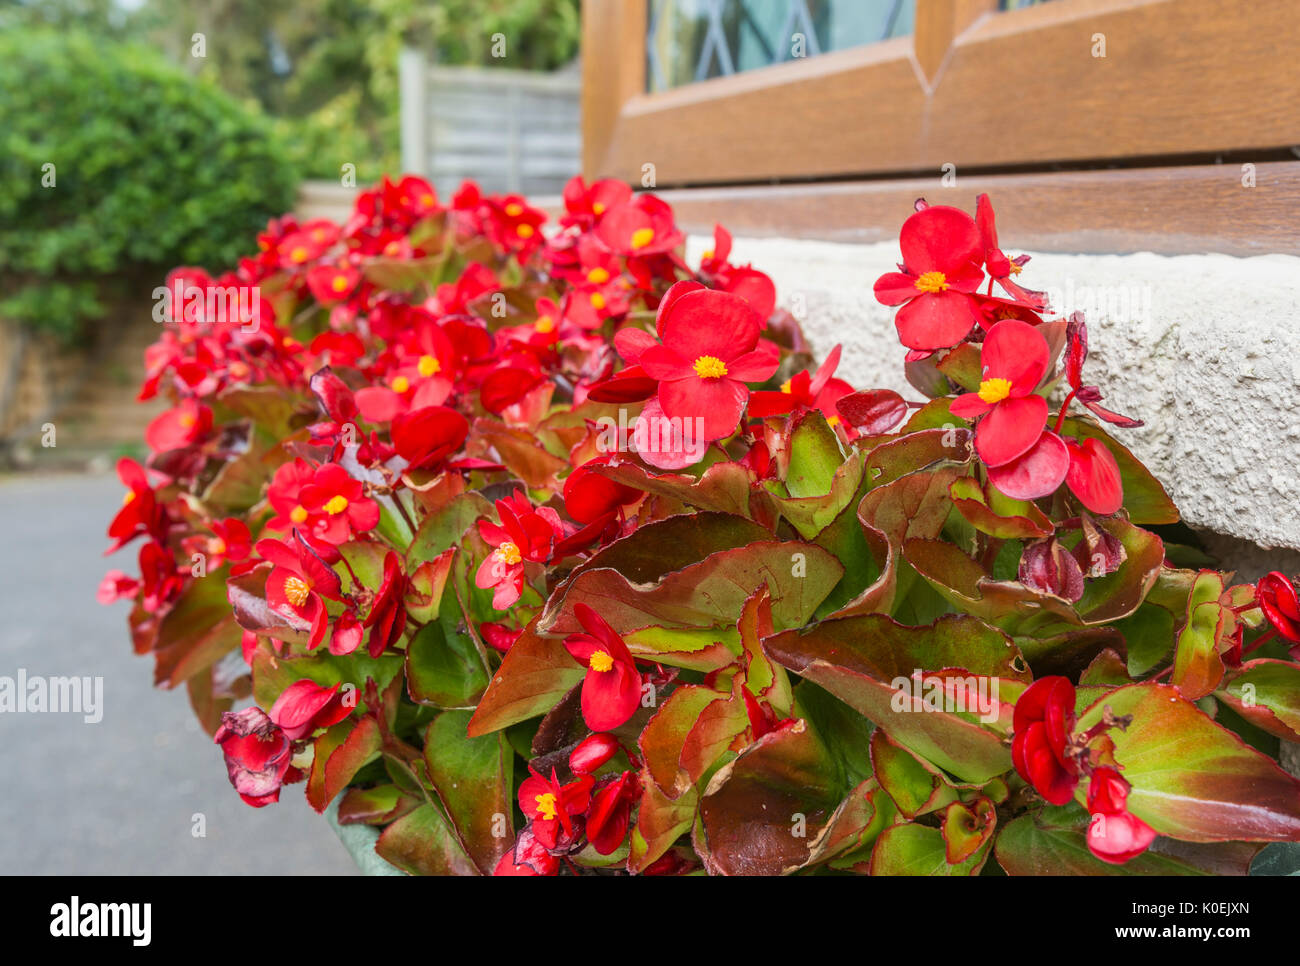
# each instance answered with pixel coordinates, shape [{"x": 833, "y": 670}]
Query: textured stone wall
[{"x": 1204, "y": 348}]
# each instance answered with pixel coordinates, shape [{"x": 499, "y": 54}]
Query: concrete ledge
[{"x": 1204, "y": 348}]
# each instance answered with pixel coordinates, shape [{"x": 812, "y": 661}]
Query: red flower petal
[
  {"x": 1094, "y": 476},
  {"x": 936, "y": 320},
  {"x": 1017, "y": 352},
  {"x": 1037, "y": 473},
  {"x": 1010, "y": 429}
]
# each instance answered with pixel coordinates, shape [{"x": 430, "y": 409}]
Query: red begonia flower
[
  {"x": 116, "y": 586},
  {"x": 1000, "y": 267},
  {"x": 1043, "y": 719},
  {"x": 525, "y": 533},
  {"x": 585, "y": 203},
  {"x": 551, "y": 807},
  {"x": 802, "y": 390},
  {"x": 592, "y": 752},
  {"x": 710, "y": 350},
  {"x": 941, "y": 267},
  {"x": 1115, "y": 834},
  {"x": 140, "y": 512},
  {"x": 528, "y": 857},
  {"x": 642, "y": 226},
  {"x": 257, "y": 754},
  {"x": 1014, "y": 358},
  {"x": 329, "y": 284},
  {"x": 304, "y": 706},
  {"x": 387, "y": 617},
  {"x": 179, "y": 427},
  {"x": 427, "y": 437},
  {"x": 589, "y": 496},
  {"x": 337, "y": 505},
  {"x": 297, "y": 582},
  {"x": 611, "y": 690},
  {"x": 1278, "y": 599},
  {"x": 611, "y": 808},
  {"x": 1093, "y": 476}
]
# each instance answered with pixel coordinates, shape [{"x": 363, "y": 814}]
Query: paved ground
[{"x": 119, "y": 796}]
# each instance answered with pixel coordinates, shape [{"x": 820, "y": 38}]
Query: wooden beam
[
  {"x": 1171, "y": 210},
  {"x": 613, "y": 72},
  {"x": 1023, "y": 87}
]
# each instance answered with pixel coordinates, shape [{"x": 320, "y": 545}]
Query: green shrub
[{"x": 151, "y": 168}]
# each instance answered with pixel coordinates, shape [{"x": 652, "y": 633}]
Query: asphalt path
[{"x": 125, "y": 795}]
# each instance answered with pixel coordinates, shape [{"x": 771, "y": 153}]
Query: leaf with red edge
[
  {"x": 748, "y": 810},
  {"x": 915, "y": 786},
  {"x": 422, "y": 843},
  {"x": 340, "y": 754},
  {"x": 858, "y": 659},
  {"x": 472, "y": 779},
  {"x": 1024, "y": 848},
  {"x": 374, "y": 806},
  {"x": 912, "y": 849},
  {"x": 660, "y": 822},
  {"x": 664, "y": 737},
  {"x": 1266, "y": 693},
  {"x": 1193, "y": 779},
  {"x": 1198, "y": 669},
  {"x": 522, "y": 453},
  {"x": 967, "y": 828},
  {"x": 196, "y": 633},
  {"x": 536, "y": 673},
  {"x": 973, "y": 503},
  {"x": 872, "y": 412}
]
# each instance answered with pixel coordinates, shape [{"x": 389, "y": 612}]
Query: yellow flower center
[
  {"x": 994, "y": 390},
  {"x": 429, "y": 366},
  {"x": 298, "y": 255},
  {"x": 216, "y": 546},
  {"x": 296, "y": 590},
  {"x": 401, "y": 384},
  {"x": 525, "y": 231},
  {"x": 710, "y": 367},
  {"x": 128, "y": 497},
  {"x": 298, "y": 514},
  {"x": 932, "y": 282},
  {"x": 509, "y": 554},
  {"x": 188, "y": 420},
  {"x": 597, "y": 300},
  {"x": 833, "y": 421},
  {"x": 546, "y": 806},
  {"x": 545, "y": 325},
  {"x": 598, "y": 208},
  {"x": 514, "y": 209},
  {"x": 1016, "y": 269},
  {"x": 601, "y": 661},
  {"x": 336, "y": 505},
  {"x": 598, "y": 276},
  {"x": 786, "y": 388},
  {"x": 642, "y": 237},
  {"x": 426, "y": 201},
  {"x": 340, "y": 283},
  {"x": 706, "y": 256}
]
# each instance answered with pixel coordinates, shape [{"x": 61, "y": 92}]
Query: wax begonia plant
[{"x": 543, "y": 552}]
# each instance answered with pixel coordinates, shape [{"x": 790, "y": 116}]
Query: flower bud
[{"x": 592, "y": 753}]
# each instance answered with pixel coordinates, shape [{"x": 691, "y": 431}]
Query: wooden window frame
[{"x": 852, "y": 135}]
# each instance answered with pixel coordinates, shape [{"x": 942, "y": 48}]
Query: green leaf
[
  {"x": 815, "y": 456},
  {"x": 1191, "y": 778},
  {"x": 911, "y": 849},
  {"x": 916, "y": 787},
  {"x": 196, "y": 633},
  {"x": 444, "y": 670},
  {"x": 422, "y": 843},
  {"x": 1025, "y": 849},
  {"x": 1198, "y": 668},
  {"x": 861, "y": 659},
  {"x": 443, "y": 529},
  {"x": 1266, "y": 693},
  {"x": 536, "y": 673},
  {"x": 973, "y": 503},
  {"x": 472, "y": 778}
]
